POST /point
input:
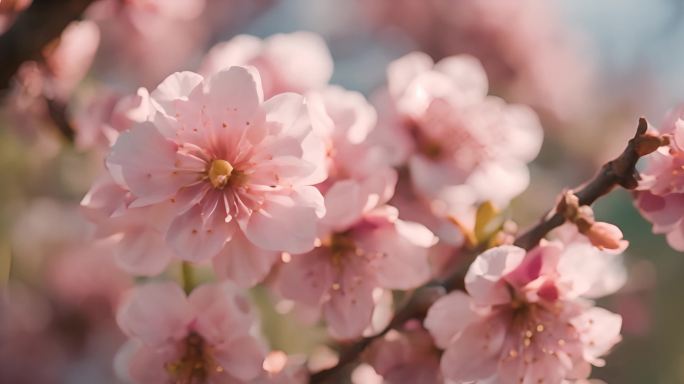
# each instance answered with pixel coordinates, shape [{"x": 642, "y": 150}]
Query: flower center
[
  {"x": 219, "y": 173},
  {"x": 195, "y": 364}
]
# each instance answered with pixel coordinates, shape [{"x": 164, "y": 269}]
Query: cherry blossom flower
[
  {"x": 235, "y": 173},
  {"x": 105, "y": 115},
  {"x": 522, "y": 319},
  {"x": 345, "y": 121},
  {"x": 405, "y": 357},
  {"x": 294, "y": 62},
  {"x": 137, "y": 232},
  {"x": 356, "y": 256},
  {"x": 660, "y": 195},
  {"x": 363, "y": 246},
  {"x": 204, "y": 337},
  {"x": 527, "y": 51},
  {"x": 461, "y": 146}
]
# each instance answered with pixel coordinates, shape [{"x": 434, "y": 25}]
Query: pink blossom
[
  {"x": 525, "y": 48},
  {"x": 345, "y": 120},
  {"x": 660, "y": 195},
  {"x": 404, "y": 357},
  {"x": 373, "y": 251},
  {"x": 521, "y": 320},
  {"x": 294, "y": 62},
  {"x": 461, "y": 145},
  {"x": 204, "y": 337},
  {"x": 105, "y": 115},
  {"x": 235, "y": 173},
  {"x": 606, "y": 236},
  {"x": 145, "y": 40},
  {"x": 137, "y": 232},
  {"x": 363, "y": 246},
  {"x": 69, "y": 61}
]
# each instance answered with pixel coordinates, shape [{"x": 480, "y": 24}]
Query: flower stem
[{"x": 188, "y": 277}]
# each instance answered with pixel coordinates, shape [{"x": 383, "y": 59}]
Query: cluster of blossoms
[
  {"x": 260, "y": 168},
  {"x": 252, "y": 170},
  {"x": 661, "y": 191}
]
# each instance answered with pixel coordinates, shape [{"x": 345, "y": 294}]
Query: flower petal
[
  {"x": 242, "y": 262},
  {"x": 156, "y": 313}
]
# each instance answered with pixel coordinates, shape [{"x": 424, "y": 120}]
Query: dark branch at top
[{"x": 34, "y": 29}]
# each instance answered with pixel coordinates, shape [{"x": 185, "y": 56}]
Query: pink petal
[
  {"x": 142, "y": 251},
  {"x": 242, "y": 262},
  {"x": 307, "y": 277},
  {"x": 350, "y": 308},
  {"x": 195, "y": 238},
  {"x": 401, "y": 72},
  {"x": 675, "y": 238},
  {"x": 223, "y": 314},
  {"x": 286, "y": 109},
  {"x": 302, "y": 60},
  {"x": 156, "y": 313},
  {"x": 475, "y": 354},
  {"x": 286, "y": 223},
  {"x": 241, "y": 357},
  {"x": 236, "y": 95},
  {"x": 599, "y": 330},
  {"x": 448, "y": 317},
  {"x": 177, "y": 86},
  {"x": 345, "y": 202},
  {"x": 239, "y": 50},
  {"x": 148, "y": 365},
  {"x": 403, "y": 249},
  {"x": 467, "y": 76},
  {"x": 148, "y": 164},
  {"x": 484, "y": 280}
]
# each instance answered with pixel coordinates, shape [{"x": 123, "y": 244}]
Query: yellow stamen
[{"x": 219, "y": 173}]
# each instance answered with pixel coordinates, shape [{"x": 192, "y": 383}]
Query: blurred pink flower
[
  {"x": 461, "y": 145},
  {"x": 408, "y": 356},
  {"x": 145, "y": 40},
  {"x": 660, "y": 195},
  {"x": 204, "y": 337},
  {"x": 528, "y": 53},
  {"x": 67, "y": 62},
  {"x": 521, "y": 320},
  {"x": 235, "y": 173},
  {"x": 345, "y": 119},
  {"x": 294, "y": 62},
  {"x": 357, "y": 254},
  {"x": 105, "y": 115}
]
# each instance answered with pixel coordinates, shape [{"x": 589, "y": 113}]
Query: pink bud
[{"x": 606, "y": 236}]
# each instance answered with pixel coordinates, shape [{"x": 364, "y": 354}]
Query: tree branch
[
  {"x": 619, "y": 172},
  {"x": 34, "y": 29}
]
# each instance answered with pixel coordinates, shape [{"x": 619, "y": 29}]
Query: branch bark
[
  {"x": 34, "y": 29},
  {"x": 619, "y": 172}
]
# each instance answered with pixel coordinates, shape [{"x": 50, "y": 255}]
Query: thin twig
[{"x": 619, "y": 172}]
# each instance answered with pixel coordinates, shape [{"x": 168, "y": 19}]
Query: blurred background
[{"x": 589, "y": 68}]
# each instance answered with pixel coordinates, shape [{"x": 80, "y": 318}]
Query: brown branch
[
  {"x": 619, "y": 172},
  {"x": 34, "y": 29}
]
